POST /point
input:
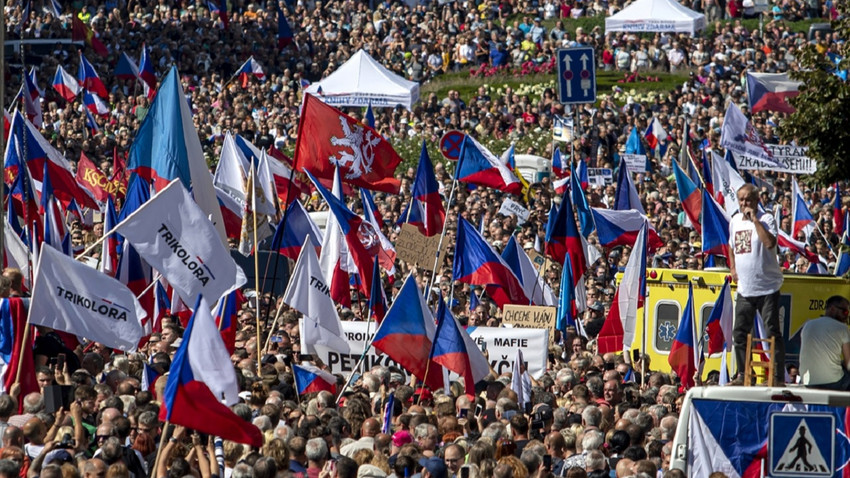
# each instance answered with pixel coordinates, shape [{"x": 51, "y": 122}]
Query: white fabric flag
[
  {"x": 727, "y": 181},
  {"x": 520, "y": 380},
  {"x": 230, "y": 174},
  {"x": 629, "y": 292},
  {"x": 72, "y": 297},
  {"x": 208, "y": 356},
  {"x": 17, "y": 254},
  {"x": 309, "y": 293},
  {"x": 334, "y": 247},
  {"x": 740, "y": 136},
  {"x": 175, "y": 237}
]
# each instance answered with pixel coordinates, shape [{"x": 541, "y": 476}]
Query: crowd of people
[{"x": 585, "y": 419}]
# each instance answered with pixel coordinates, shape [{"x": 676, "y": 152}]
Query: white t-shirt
[
  {"x": 758, "y": 271},
  {"x": 820, "y": 352}
]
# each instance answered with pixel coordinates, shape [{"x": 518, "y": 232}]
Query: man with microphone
[{"x": 753, "y": 264}]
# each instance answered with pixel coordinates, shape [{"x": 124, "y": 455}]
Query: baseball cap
[{"x": 435, "y": 466}]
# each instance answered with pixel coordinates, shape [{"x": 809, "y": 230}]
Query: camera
[{"x": 67, "y": 442}]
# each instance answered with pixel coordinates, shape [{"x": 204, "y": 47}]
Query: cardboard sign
[
  {"x": 793, "y": 159},
  {"x": 512, "y": 207},
  {"x": 529, "y": 316},
  {"x": 501, "y": 344},
  {"x": 414, "y": 248},
  {"x": 635, "y": 163}
]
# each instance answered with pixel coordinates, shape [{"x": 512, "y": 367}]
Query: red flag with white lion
[{"x": 327, "y": 137}]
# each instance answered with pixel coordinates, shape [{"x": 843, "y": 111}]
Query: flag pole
[
  {"x": 274, "y": 324},
  {"x": 256, "y": 272},
  {"x": 27, "y": 325},
  {"x": 223, "y": 308},
  {"x": 161, "y": 446},
  {"x": 445, "y": 222}
]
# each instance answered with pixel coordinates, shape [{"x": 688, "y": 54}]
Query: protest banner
[
  {"x": 792, "y": 158},
  {"x": 509, "y": 206},
  {"x": 414, "y": 248},
  {"x": 501, "y": 346}
]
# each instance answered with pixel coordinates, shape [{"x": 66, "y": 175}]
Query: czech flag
[
  {"x": 250, "y": 68},
  {"x": 360, "y": 236},
  {"x": 309, "y": 378},
  {"x": 407, "y": 332},
  {"x": 532, "y": 282},
  {"x": 707, "y": 176},
  {"x": 577, "y": 187},
  {"x": 386, "y": 250},
  {"x": 786, "y": 242},
  {"x": 377, "y": 297},
  {"x": 718, "y": 328},
  {"x": 226, "y": 313},
  {"x": 715, "y": 227},
  {"x": 290, "y": 235},
  {"x": 477, "y": 263},
  {"x": 655, "y": 133},
  {"x": 202, "y": 383},
  {"x": 167, "y": 147},
  {"x": 770, "y": 92},
  {"x": 455, "y": 350},
  {"x": 479, "y": 166},
  {"x": 801, "y": 218},
  {"x": 627, "y": 196},
  {"x": 149, "y": 378},
  {"x": 231, "y": 212},
  {"x": 426, "y": 210},
  {"x": 89, "y": 79},
  {"x": 620, "y": 228},
  {"x": 109, "y": 253},
  {"x": 126, "y": 69},
  {"x": 618, "y": 331},
  {"x": 682, "y": 358},
  {"x": 838, "y": 223},
  {"x": 842, "y": 263},
  {"x": 146, "y": 73},
  {"x": 55, "y": 230},
  {"x": 284, "y": 32},
  {"x": 563, "y": 239},
  {"x": 558, "y": 167},
  {"x": 15, "y": 351},
  {"x": 65, "y": 84},
  {"x": 94, "y": 104},
  {"x": 689, "y": 195},
  {"x": 91, "y": 123}
]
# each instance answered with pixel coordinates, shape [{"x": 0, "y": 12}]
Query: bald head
[
  {"x": 624, "y": 467},
  {"x": 370, "y": 428},
  {"x": 109, "y": 415}
]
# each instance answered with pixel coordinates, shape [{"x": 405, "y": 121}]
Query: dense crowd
[{"x": 585, "y": 420}]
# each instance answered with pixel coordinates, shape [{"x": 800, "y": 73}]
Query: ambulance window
[
  {"x": 667, "y": 322},
  {"x": 705, "y": 313}
]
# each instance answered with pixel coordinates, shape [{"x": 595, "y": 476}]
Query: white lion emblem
[{"x": 359, "y": 161}]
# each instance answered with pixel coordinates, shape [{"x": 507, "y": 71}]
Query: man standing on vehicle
[
  {"x": 752, "y": 261},
  {"x": 825, "y": 347}
]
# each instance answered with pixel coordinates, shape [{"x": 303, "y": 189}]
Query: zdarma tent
[
  {"x": 655, "y": 16},
  {"x": 362, "y": 80}
]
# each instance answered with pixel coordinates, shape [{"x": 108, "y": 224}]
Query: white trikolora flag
[
  {"x": 174, "y": 236},
  {"x": 72, "y": 297},
  {"x": 309, "y": 293}
]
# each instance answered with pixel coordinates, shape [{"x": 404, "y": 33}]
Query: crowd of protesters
[{"x": 585, "y": 419}]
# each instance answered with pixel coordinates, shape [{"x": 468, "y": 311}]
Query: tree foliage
[{"x": 822, "y": 119}]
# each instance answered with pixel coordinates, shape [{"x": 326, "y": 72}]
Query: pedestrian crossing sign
[{"x": 801, "y": 444}]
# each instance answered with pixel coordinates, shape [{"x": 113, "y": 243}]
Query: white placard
[{"x": 512, "y": 207}]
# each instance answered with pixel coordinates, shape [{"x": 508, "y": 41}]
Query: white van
[{"x": 763, "y": 431}]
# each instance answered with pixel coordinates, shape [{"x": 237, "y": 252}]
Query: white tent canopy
[
  {"x": 362, "y": 80},
  {"x": 655, "y": 16}
]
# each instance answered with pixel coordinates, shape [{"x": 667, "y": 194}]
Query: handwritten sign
[
  {"x": 635, "y": 163},
  {"x": 529, "y": 316},
  {"x": 512, "y": 207},
  {"x": 414, "y": 248}
]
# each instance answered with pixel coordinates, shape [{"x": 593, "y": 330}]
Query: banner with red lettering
[{"x": 93, "y": 179}]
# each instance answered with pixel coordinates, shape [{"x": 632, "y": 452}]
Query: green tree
[{"x": 822, "y": 119}]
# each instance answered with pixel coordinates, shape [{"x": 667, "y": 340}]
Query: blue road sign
[
  {"x": 801, "y": 444},
  {"x": 576, "y": 75}
]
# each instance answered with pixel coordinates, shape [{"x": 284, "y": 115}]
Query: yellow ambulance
[{"x": 802, "y": 298}]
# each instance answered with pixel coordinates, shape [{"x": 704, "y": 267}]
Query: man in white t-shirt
[
  {"x": 752, "y": 261},
  {"x": 825, "y": 347}
]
